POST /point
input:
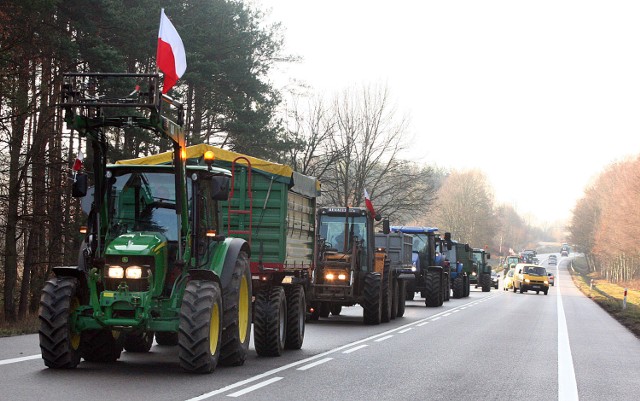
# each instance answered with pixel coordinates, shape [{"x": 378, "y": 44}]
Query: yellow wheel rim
[
  {"x": 74, "y": 337},
  {"x": 214, "y": 329},
  {"x": 243, "y": 308}
]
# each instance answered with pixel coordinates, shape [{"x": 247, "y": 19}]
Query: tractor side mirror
[
  {"x": 79, "y": 188},
  {"x": 220, "y": 187}
]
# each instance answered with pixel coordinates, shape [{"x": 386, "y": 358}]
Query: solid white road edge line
[
  {"x": 255, "y": 387},
  {"x": 22, "y": 359},
  {"x": 316, "y": 363},
  {"x": 567, "y": 386}
]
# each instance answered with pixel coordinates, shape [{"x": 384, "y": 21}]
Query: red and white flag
[
  {"x": 367, "y": 202},
  {"x": 170, "y": 55},
  {"x": 77, "y": 165}
]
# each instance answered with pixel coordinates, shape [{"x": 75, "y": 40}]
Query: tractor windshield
[
  {"x": 143, "y": 201},
  {"x": 419, "y": 242},
  {"x": 332, "y": 229}
]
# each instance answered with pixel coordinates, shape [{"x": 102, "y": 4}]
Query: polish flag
[
  {"x": 367, "y": 201},
  {"x": 77, "y": 165},
  {"x": 170, "y": 55}
]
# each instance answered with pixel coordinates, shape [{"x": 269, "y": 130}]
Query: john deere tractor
[{"x": 152, "y": 261}]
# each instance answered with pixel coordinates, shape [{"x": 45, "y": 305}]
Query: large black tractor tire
[
  {"x": 270, "y": 321},
  {"x": 296, "y": 314},
  {"x": 138, "y": 341},
  {"x": 372, "y": 300},
  {"x": 433, "y": 295},
  {"x": 387, "y": 293},
  {"x": 58, "y": 343},
  {"x": 394, "y": 298},
  {"x": 100, "y": 346},
  {"x": 200, "y": 329},
  {"x": 467, "y": 286},
  {"x": 401, "y": 297},
  {"x": 485, "y": 282},
  {"x": 236, "y": 319},
  {"x": 168, "y": 338},
  {"x": 446, "y": 286},
  {"x": 410, "y": 294},
  {"x": 458, "y": 287},
  {"x": 336, "y": 309}
]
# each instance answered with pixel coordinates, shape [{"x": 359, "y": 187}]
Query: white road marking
[
  {"x": 383, "y": 338},
  {"x": 567, "y": 386},
  {"x": 21, "y": 359},
  {"x": 435, "y": 318},
  {"x": 268, "y": 373},
  {"x": 316, "y": 363},
  {"x": 446, "y": 314},
  {"x": 405, "y": 330},
  {"x": 455, "y": 311},
  {"x": 355, "y": 349},
  {"x": 255, "y": 387}
]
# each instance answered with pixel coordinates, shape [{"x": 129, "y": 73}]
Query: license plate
[{"x": 535, "y": 286}]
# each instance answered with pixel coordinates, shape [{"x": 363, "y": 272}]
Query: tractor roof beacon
[{"x": 152, "y": 262}]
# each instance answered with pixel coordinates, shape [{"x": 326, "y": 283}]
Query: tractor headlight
[
  {"x": 474, "y": 273},
  {"x": 134, "y": 272},
  {"x": 342, "y": 276},
  {"x": 329, "y": 276},
  {"x": 116, "y": 272},
  {"x": 546, "y": 282},
  {"x": 526, "y": 280},
  {"x": 336, "y": 275}
]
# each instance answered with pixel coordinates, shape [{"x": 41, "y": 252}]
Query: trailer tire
[
  {"x": 100, "y": 346},
  {"x": 336, "y": 309},
  {"x": 409, "y": 295},
  {"x": 387, "y": 292},
  {"x": 296, "y": 310},
  {"x": 168, "y": 338},
  {"x": 433, "y": 294},
  {"x": 401, "y": 297},
  {"x": 236, "y": 319},
  {"x": 458, "y": 287},
  {"x": 200, "y": 329},
  {"x": 270, "y": 321},
  {"x": 138, "y": 341},
  {"x": 372, "y": 299},
  {"x": 394, "y": 298},
  {"x": 58, "y": 343},
  {"x": 467, "y": 286},
  {"x": 324, "y": 309},
  {"x": 446, "y": 287}
]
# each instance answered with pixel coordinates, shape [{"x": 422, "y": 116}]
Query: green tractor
[
  {"x": 481, "y": 270},
  {"x": 152, "y": 262}
]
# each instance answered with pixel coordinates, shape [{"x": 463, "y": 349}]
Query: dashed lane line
[
  {"x": 383, "y": 338},
  {"x": 405, "y": 330},
  {"x": 255, "y": 387},
  {"x": 355, "y": 349},
  {"x": 316, "y": 363}
]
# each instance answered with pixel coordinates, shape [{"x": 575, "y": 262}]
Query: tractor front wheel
[
  {"x": 371, "y": 305},
  {"x": 200, "y": 329},
  {"x": 58, "y": 342},
  {"x": 139, "y": 341}
]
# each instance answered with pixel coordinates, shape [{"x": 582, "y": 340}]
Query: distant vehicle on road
[
  {"x": 495, "y": 279},
  {"x": 564, "y": 250},
  {"x": 508, "y": 280},
  {"x": 552, "y": 260},
  {"x": 552, "y": 279}
]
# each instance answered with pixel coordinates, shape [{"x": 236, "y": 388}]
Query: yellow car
[
  {"x": 530, "y": 277},
  {"x": 507, "y": 284}
]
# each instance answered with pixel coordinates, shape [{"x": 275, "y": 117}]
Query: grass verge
[
  {"x": 608, "y": 296},
  {"x": 29, "y": 325}
]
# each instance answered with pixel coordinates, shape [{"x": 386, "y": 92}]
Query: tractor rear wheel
[
  {"x": 433, "y": 291},
  {"x": 138, "y": 341},
  {"x": 446, "y": 286},
  {"x": 458, "y": 287},
  {"x": 58, "y": 342},
  {"x": 467, "y": 286},
  {"x": 296, "y": 314},
  {"x": 270, "y": 321},
  {"x": 371, "y": 304},
  {"x": 485, "y": 282},
  {"x": 394, "y": 298},
  {"x": 100, "y": 346},
  {"x": 169, "y": 338},
  {"x": 199, "y": 338},
  {"x": 401, "y": 297},
  {"x": 236, "y": 320}
]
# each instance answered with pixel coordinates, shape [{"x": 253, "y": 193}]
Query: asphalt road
[{"x": 489, "y": 346}]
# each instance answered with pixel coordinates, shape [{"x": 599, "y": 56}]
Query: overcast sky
[{"x": 540, "y": 95}]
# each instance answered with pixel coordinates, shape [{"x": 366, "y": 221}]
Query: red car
[{"x": 552, "y": 279}]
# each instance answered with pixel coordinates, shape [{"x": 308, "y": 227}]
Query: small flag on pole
[
  {"x": 367, "y": 201},
  {"x": 170, "y": 55},
  {"x": 77, "y": 165}
]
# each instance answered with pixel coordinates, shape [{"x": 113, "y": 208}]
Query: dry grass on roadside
[
  {"x": 28, "y": 325},
  {"x": 609, "y": 297}
]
